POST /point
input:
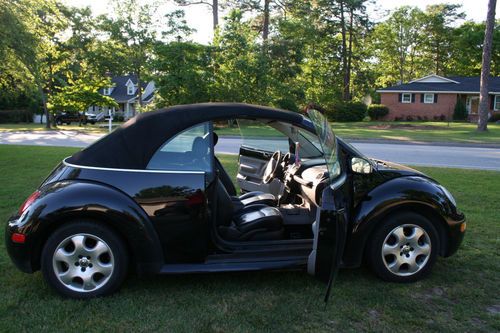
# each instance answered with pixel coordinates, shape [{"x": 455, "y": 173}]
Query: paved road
[{"x": 412, "y": 154}]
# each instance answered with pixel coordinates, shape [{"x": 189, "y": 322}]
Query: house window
[
  {"x": 406, "y": 98},
  {"x": 106, "y": 91},
  {"x": 428, "y": 98},
  {"x": 496, "y": 103},
  {"x": 130, "y": 89}
]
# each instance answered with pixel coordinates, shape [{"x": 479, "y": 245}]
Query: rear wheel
[
  {"x": 84, "y": 259},
  {"x": 404, "y": 249}
]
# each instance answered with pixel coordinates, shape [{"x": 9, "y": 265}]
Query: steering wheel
[
  {"x": 272, "y": 167},
  {"x": 287, "y": 159}
]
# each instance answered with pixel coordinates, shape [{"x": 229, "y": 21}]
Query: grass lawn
[
  {"x": 101, "y": 127},
  {"x": 458, "y": 296},
  {"x": 419, "y": 131}
]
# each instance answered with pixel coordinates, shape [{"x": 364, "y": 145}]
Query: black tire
[
  {"x": 117, "y": 254},
  {"x": 379, "y": 263},
  {"x": 59, "y": 122},
  {"x": 68, "y": 123}
]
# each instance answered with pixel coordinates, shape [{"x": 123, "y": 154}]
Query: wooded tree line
[{"x": 283, "y": 53}]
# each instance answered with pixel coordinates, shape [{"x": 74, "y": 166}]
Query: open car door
[
  {"x": 259, "y": 142},
  {"x": 330, "y": 227}
]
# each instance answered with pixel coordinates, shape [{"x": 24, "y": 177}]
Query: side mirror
[{"x": 360, "y": 165}]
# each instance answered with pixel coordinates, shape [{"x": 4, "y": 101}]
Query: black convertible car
[{"x": 152, "y": 195}]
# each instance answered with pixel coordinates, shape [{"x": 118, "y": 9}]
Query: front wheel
[
  {"x": 404, "y": 249},
  {"x": 84, "y": 259}
]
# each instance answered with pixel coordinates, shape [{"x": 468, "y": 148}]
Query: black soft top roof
[{"x": 132, "y": 145}]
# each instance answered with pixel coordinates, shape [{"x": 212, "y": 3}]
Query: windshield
[{"x": 328, "y": 142}]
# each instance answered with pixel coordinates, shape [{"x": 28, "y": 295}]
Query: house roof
[
  {"x": 148, "y": 97},
  {"x": 435, "y": 83},
  {"x": 119, "y": 92}
]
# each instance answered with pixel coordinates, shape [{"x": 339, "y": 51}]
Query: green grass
[
  {"x": 460, "y": 295},
  {"x": 419, "y": 131},
  {"x": 89, "y": 128}
]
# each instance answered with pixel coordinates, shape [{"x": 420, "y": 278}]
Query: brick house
[{"x": 434, "y": 97}]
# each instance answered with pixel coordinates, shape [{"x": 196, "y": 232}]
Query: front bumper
[
  {"x": 20, "y": 254},
  {"x": 456, "y": 232}
]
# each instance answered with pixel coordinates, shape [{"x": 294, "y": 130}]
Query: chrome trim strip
[{"x": 130, "y": 170}]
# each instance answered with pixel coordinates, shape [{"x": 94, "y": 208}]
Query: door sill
[{"x": 213, "y": 267}]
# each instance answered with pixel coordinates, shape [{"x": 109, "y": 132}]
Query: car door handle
[{"x": 247, "y": 168}]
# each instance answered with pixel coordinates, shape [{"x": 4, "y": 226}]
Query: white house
[{"x": 124, "y": 90}]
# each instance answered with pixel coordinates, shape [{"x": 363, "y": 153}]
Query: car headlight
[{"x": 448, "y": 195}]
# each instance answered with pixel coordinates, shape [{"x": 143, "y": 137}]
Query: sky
[{"x": 200, "y": 18}]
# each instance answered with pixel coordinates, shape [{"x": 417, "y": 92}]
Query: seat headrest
[{"x": 215, "y": 138}]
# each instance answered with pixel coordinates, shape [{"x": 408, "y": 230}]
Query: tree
[
  {"x": 182, "y": 73},
  {"x": 235, "y": 58},
  {"x": 81, "y": 93},
  {"x": 396, "y": 44},
  {"x": 460, "y": 111},
  {"x": 485, "y": 71},
  {"x": 438, "y": 30},
  {"x": 265, "y": 9},
  {"x": 182, "y": 69},
  {"x": 213, "y": 4},
  {"x": 349, "y": 17},
  {"x": 31, "y": 30},
  {"x": 133, "y": 28}
]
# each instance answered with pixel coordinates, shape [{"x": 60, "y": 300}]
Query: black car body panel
[
  {"x": 414, "y": 193},
  {"x": 67, "y": 200}
]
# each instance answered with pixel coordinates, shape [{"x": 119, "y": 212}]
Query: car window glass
[
  {"x": 189, "y": 150},
  {"x": 258, "y": 135}
]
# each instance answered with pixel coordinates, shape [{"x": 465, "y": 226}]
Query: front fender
[
  {"x": 415, "y": 192},
  {"x": 60, "y": 202}
]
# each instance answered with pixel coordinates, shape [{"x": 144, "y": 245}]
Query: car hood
[{"x": 393, "y": 170}]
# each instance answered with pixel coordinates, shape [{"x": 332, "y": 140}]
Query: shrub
[
  {"x": 287, "y": 104},
  {"x": 16, "y": 116},
  {"x": 460, "y": 112},
  {"x": 439, "y": 118},
  {"x": 494, "y": 117},
  {"x": 118, "y": 116},
  {"x": 377, "y": 111},
  {"x": 347, "y": 111}
]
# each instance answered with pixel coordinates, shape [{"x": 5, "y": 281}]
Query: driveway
[{"x": 411, "y": 154}]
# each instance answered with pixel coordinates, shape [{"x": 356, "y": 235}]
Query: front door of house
[{"x": 472, "y": 104}]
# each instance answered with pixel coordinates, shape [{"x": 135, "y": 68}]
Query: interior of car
[
  {"x": 281, "y": 174},
  {"x": 281, "y": 189}
]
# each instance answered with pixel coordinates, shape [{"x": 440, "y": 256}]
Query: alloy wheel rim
[
  {"x": 83, "y": 262},
  {"x": 406, "y": 249}
]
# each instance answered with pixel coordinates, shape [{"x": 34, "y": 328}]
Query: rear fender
[{"x": 64, "y": 201}]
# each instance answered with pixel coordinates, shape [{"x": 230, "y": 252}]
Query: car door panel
[
  {"x": 252, "y": 163},
  {"x": 329, "y": 232},
  {"x": 330, "y": 227}
]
